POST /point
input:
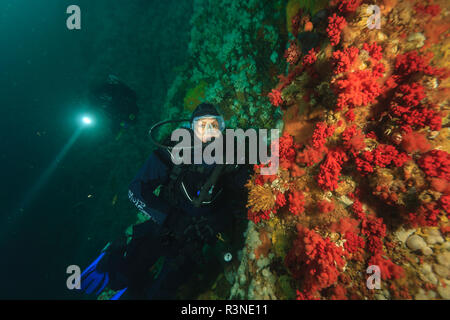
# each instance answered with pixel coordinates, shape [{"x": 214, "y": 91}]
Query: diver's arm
[
  {"x": 141, "y": 189},
  {"x": 235, "y": 184}
]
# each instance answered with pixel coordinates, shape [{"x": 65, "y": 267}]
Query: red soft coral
[
  {"x": 256, "y": 217},
  {"x": 401, "y": 159},
  {"x": 375, "y": 230},
  {"x": 411, "y": 63},
  {"x": 444, "y": 201},
  {"x": 440, "y": 185},
  {"x": 345, "y": 225},
  {"x": 320, "y": 134},
  {"x": 426, "y": 215},
  {"x": 317, "y": 261},
  {"x": 371, "y": 226},
  {"x": 350, "y": 115},
  {"x": 347, "y": 6},
  {"x": 296, "y": 171},
  {"x": 410, "y": 94},
  {"x": 364, "y": 163},
  {"x": 280, "y": 200},
  {"x": 353, "y": 243},
  {"x": 335, "y": 25},
  {"x": 296, "y": 202},
  {"x": 353, "y": 139},
  {"x": 311, "y": 156},
  {"x": 378, "y": 70},
  {"x": 286, "y": 80},
  {"x": 330, "y": 170},
  {"x": 384, "y": 154},
  {"x": 357, "y": 209},
  {"x": 407, "y": 107},
  {"x": 431, "y": 9},
  {"x": 275, "y": 97},
  {"x": 375, "y": 51},
  {"x": 339, "y": 293},
  {"x": 263, "y": 178},
  {"x": 388, "y": 269},
  {"x": 415, "y": 141},
  {"x": 325, "y": 206},
  {"x": 356, "y": 89},
  {"x": 409, "y": 117},
  {"x": 310, "y": 58},
  {"x": 343, "y": 60},
  {"x": 286, "y": 148},
  {"x": 436, "y": 163}
]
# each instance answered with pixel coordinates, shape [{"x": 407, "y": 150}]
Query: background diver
[
  {"x": 190, "y": 223},
  {"x": 117, "y": 100}
]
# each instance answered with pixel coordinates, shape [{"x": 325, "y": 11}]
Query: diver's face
[{"x": 206, "y": 128}]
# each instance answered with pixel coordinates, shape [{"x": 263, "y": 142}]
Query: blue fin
[{"x": 119, "y": 294}]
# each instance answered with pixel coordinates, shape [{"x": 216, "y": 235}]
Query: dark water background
[{"x": 45, "y": 70}]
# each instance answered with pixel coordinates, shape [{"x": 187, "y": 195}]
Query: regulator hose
[{"x": 159, "y": 124}]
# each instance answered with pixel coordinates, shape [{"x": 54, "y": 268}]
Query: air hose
[{"x": 159, "y": 124}]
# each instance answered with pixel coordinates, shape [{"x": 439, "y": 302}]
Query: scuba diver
[
  {"x": 117, "y": 100},
  {"x": 191, "y": 208}
]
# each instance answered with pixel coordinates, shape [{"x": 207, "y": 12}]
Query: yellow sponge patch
[{"x": 291, "y": 10}]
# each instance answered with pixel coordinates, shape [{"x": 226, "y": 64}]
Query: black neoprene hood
[{"x": 204, "y": 109}]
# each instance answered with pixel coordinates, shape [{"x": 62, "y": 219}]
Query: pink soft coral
[{"x": 292, "y": 54}]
